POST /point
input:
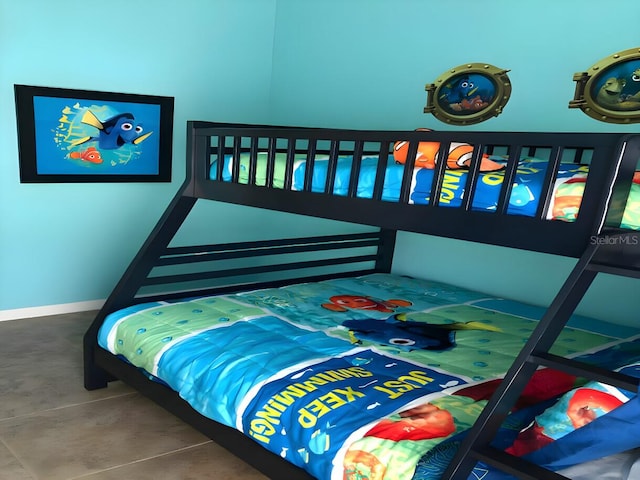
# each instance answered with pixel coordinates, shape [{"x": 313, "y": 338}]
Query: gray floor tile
[
  {"x": 41, "y": 365},
  {"x": 87, "y": 438},
  {"x": 203, "y": 462},
  {"x": 10, "y": 467},
  {"x": 34, "y": 334},
  {"x": 51, "y": 428},
  {"x": 40, "y": 383}
]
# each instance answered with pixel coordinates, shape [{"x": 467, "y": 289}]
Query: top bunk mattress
[
  {"x": 526, "y": 191},
  {"x": 353, "y": 377}
]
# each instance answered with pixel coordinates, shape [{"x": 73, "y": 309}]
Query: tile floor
[{"x": 51, "y": 428}]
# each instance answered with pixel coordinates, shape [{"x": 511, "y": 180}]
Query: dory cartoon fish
[
  {"x": 90, "y": 155},
  {"x": 116, "y": 131},
  {"x": 342, "y": 303},
  {"x": 461, "y": 88},
  {"x": 409, "y": 335}
]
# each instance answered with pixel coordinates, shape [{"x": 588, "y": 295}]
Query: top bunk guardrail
[{"x": 553, "y": 192}]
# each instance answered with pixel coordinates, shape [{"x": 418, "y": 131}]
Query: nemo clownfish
[
  {"x": 89, "y": 155},
  {"x": 460, "y": 155},
  {"x": 342, "y": 303}
]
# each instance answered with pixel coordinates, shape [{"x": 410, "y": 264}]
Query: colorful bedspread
[
  {"x": 524, "y": 198},
  {"x": 348, "y": 378}
]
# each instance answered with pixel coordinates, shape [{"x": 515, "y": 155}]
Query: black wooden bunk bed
[{"x": 259, "y": 166}]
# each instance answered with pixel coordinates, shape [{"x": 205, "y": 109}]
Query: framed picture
[
  {"x": 468, "y": 94},
  {"x": 610, "y": 90},
  {"x": 69, "y": 135}
]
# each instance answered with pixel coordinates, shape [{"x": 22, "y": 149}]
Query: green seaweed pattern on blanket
[{"x": 155, "y": 330}]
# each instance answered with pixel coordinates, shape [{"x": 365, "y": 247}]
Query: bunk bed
[{"x": 570, "y": 194}]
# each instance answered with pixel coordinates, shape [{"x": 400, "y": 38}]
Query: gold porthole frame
[
  {"x": 452, "y": 102},
  {"x": 609, "y": 91}
]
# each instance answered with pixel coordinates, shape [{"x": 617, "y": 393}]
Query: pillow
[{"x": 573, "y": 410}]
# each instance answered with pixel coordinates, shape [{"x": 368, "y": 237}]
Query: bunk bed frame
[{"x": 593, "y": 238}]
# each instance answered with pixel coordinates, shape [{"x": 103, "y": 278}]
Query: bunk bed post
[{"x": 385, "y": 250}]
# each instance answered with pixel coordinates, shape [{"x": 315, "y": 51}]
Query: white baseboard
[{"x": 45, "y": 310}]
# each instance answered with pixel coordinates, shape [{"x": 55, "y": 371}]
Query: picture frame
[
  {"x": 468, "y": 94},
  {"x": 75, "y": 136},
  {"x": 609, "y": 91}
]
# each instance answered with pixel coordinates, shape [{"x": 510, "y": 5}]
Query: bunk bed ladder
[{"x": 476, "y": 446}]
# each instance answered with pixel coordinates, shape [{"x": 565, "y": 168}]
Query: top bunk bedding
[
  {"x": 525, "y": 193},
  {"x": 548, "y": 192}
]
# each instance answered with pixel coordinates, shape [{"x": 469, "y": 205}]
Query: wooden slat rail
[{"x": 497, "y": 227}]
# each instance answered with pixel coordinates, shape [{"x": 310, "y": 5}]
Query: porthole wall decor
[
  {"x": 610, "y": 90},
  {"x": 468, "y": 94}
]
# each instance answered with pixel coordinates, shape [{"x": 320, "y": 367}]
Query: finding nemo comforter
[
  {"x": 369, "y": 377},
  {"x": 525, "y": 196}
]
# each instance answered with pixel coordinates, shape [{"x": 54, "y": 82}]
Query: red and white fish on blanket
[{"x": 460, "y": 155}]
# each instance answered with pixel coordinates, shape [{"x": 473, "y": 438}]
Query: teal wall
[
  {"x": 343, "y": 63},
  {"x": 365, "y": 62},
  {"x": 63, "y": 243}
]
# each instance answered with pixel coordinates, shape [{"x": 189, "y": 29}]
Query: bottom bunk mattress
[{"x": 369, "y": 377}]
